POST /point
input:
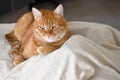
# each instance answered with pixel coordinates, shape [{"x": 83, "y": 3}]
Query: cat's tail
[{"x": 14, "y": 42}]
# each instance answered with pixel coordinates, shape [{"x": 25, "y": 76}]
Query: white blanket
[{"x": 91, "y": 53}]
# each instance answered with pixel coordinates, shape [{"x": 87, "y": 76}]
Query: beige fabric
[{"x": 91, "y": 53}]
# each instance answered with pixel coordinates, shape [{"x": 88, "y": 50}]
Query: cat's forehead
[
  {"x": 47, "y": 13},
  {"x": 49, "y": 20},
  {"x": 49, "y": 17}
]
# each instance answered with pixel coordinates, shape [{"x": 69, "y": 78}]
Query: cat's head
[{"x": 49, "y": 26}]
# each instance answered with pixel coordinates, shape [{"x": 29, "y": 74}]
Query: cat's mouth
[
  {"x": 50, "y": 39},
  {"x": 54, "y": 38}
]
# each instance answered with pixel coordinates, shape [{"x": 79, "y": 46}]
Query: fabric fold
[{"x": 91, "y": 53}]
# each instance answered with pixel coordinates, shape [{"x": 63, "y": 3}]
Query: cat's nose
[
  {"x": 49, "y": 31},
  {"x": 48, "y": 35}
]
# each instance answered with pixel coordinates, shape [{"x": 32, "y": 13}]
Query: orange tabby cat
[{"x": 38, "y": 32}]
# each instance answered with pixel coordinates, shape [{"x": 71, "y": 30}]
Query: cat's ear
[
  {"x": 36, "y": 13},
  {"x": 59, "y": 10}
]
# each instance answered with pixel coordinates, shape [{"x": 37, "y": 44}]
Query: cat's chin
[
  {"x": 50, "y": 40},
  {"x": 45, "y": 39}
]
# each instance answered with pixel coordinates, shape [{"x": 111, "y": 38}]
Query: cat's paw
[
  {"x": 42, "y": 50},
  {"x": 45, "y": 49},
  {"x": 39, "y": 50},
  {"x": 18, "y": 59},
  {"x": 13, "y": 52}
]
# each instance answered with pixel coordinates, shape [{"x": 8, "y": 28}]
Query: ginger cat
[{"x": 38, "y": 32}]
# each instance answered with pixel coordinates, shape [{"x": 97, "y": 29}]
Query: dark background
[{"x": 100, "y": 11}]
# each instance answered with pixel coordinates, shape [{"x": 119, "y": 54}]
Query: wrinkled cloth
[{"x": 91, "y": 53}]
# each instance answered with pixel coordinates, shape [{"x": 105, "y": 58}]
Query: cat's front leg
[{"x": 46, "y": 49}]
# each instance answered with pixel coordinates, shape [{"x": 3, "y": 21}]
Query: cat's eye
[
  {"x": 54, "y": 26},
  {"x": 42, "y": 27}
]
